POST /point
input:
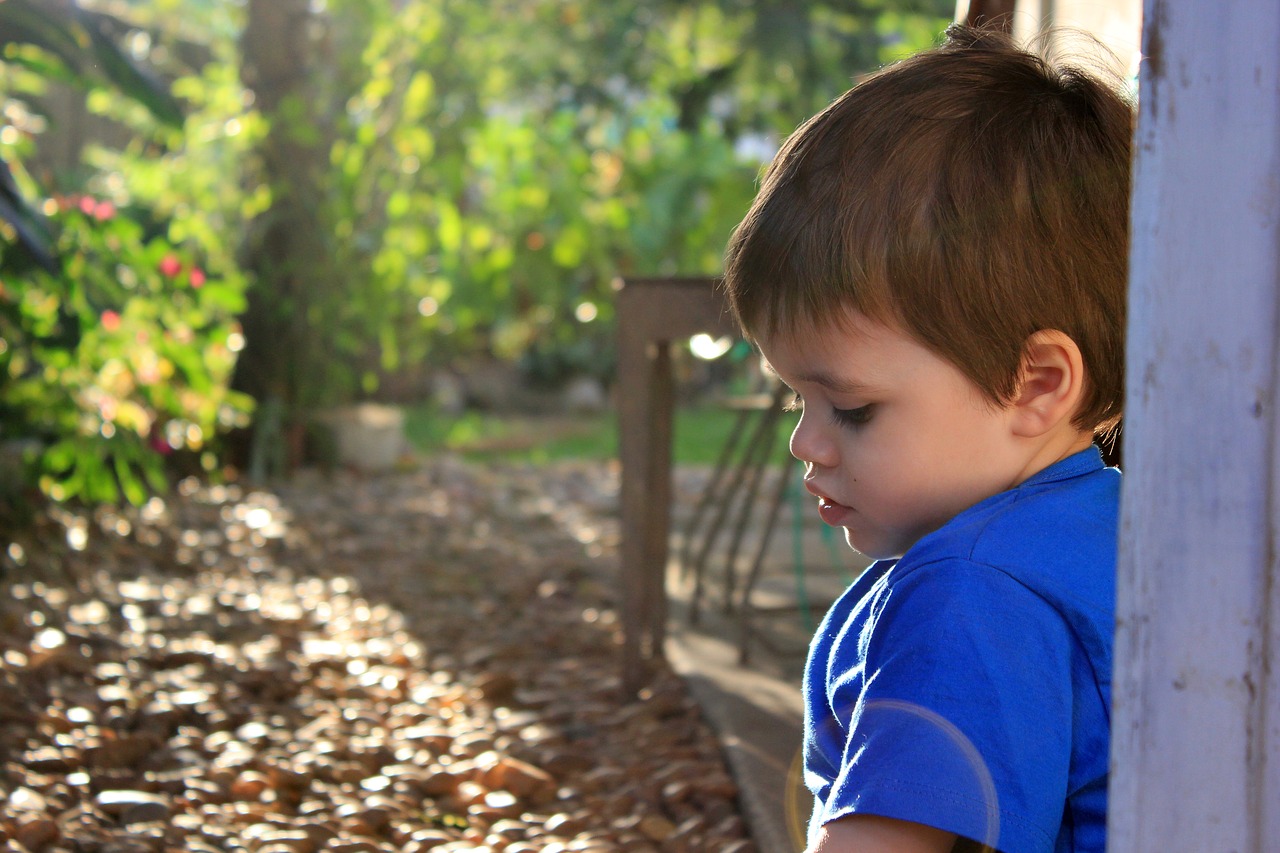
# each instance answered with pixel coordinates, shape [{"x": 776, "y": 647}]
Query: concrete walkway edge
[{"x": 759, "y": 721}]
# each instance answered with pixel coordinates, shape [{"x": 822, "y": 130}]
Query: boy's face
[{"x": 896, "y": 441}]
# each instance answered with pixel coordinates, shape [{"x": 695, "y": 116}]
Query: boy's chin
[{"x": 871, "y": 549}]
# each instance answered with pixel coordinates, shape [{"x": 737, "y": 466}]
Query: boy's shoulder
[{"x": 1055, "y": 533}]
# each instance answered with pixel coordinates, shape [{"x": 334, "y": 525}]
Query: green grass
[{"x": 700, "y": 433}]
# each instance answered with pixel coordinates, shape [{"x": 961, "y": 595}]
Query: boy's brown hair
[{"x": 971, "y": 195}]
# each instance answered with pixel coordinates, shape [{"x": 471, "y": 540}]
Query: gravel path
[{"x": 419, "y": 661}]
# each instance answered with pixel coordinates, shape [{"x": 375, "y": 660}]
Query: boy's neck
[{"x": 1053, "y": 449}]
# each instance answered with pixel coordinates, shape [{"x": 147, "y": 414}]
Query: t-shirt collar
[{"x": 1084, "y": 462}]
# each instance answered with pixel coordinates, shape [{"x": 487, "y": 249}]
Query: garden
[{"x": 221, "y": 222}]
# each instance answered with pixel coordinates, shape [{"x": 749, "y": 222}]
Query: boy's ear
[{"x": 1051, "y": 385}]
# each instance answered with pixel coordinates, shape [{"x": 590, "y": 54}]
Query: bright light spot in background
[
  {"x": 706, "y": 347},
  {"x": 183, "y": 434},
  {"x": 139, "y": 44},
  {"x": 756, "y": 147},
  {"x": 77, "y": 537},
  {"x": 428, "y": 306},
  {"x": 586, "y": 312},
  {"x": 235, "y": 342},
  {"x": 9, "y": 135},
  {"x": 50, "y": 638},
  {"x": 257, "y": 518}
]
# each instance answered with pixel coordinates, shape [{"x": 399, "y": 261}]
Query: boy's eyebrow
[{"x": 830, "y": 381}]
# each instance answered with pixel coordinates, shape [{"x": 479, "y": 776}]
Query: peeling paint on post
[{"x": 1196, "y": 717}]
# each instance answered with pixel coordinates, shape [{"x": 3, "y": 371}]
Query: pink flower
[
  {"x": 197, "y": 278},
  {"x": 170, "y": 266},
  {"x": 110, "y": 320},
  {"x": 104, "y": 210},
  {"x": 87, "y": 205},
  {"x": 158, "y": 443}
]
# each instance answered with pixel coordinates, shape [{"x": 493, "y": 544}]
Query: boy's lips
[{"x": 831, "y": 512}]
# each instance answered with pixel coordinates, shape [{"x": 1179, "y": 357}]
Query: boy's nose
[{"x": 810, "y": 446}]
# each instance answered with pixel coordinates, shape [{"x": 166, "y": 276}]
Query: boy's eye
[
  {"x": 844, "y": 417},
  {"x": 853, "y": 417}
]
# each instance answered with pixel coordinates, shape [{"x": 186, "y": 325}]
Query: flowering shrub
[{"x": 118, "y": 361}]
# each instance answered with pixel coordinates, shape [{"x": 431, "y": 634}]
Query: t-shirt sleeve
[{"x": 956, "y": 701}]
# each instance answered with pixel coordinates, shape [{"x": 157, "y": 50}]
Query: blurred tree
[
  {"x": 410, "y": 183},
  {"x": 287, "y": 249},
  {"x": 502, "y": 163}
]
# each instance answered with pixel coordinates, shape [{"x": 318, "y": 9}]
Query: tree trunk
[{"x": 282, "y": 365}]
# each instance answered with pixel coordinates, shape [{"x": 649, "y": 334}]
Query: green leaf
[
  {"x": 32, "y": 231},
  {"x": 60, "y": 457},
  {"x": 27, "y": 22},
  {"x": 83, "y": 41},
  {"x": 134, "y": 491},
  {"x": 99, "y": 482},
  {"x": 131, "y": 79}
]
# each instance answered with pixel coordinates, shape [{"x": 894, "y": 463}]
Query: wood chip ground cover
[{"x": 417, "y": 661}]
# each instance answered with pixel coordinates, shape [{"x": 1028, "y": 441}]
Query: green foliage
[
  {"x": 117, "y": 324},
  {"x": 502, "y": 164},
  {"x": 449, "y": 178},
  {"x": 40, "y": 42},
  {"x": 120, "y": 359},
  {"x": 83, "y": 44},
  {"x": 31, "y": 238}
]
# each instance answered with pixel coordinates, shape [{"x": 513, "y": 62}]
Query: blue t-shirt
[{"x": 967, "y": 685}]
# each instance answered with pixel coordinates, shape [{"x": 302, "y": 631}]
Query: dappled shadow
[{"x": 415, "y": 661}]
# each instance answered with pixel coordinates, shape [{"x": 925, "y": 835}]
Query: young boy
[{"x": 936, "y": 264}]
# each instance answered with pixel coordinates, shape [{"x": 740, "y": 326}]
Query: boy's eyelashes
[
  {"x": 844, "y": 417},
  {"x": 852, "y": 417}
]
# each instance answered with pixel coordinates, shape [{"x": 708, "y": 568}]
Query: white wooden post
[{"x": 1196, "y": 720}]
